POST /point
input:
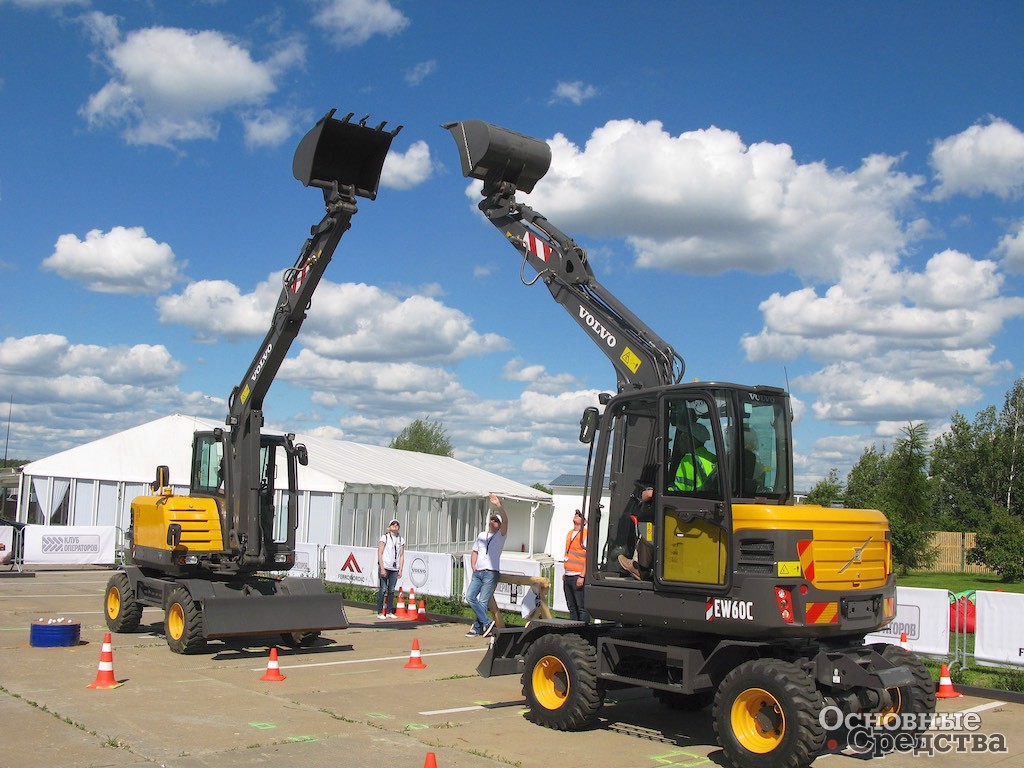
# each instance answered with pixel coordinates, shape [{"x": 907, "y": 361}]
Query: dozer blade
[
  {"x": 495, "y": 155},
  {"x": 343, "y": 152}
]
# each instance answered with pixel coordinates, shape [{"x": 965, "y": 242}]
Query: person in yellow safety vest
[
  {"x": 697, "y": 462},
  {"x": 576, "y": 569}
]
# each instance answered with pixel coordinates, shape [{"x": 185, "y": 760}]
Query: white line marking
[{"x": 367, "y": 661}]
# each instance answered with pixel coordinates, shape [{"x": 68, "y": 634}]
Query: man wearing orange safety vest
[{"x": 576, "y": 569}]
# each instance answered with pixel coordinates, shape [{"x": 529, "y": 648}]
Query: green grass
[{"x": 960, "y": 582}]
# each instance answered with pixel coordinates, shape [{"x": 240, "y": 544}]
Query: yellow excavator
[
  {"x": 205, "y": 558},
  {"x": 712, "y": 587}
]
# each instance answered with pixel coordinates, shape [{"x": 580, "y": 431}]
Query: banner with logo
[
  {"x": 999, "y": 628},
  {"x": 70, "y": 544},
  {"x": 924, "y": 615},
  {"x": 430, "y": 573}
]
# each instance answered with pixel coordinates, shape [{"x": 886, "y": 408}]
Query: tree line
[{"x": 968, "y": 479}]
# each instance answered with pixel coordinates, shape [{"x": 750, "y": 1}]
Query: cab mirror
[
  {"x": 588, "y": 425},
  {"x": 301, "y": 454}
]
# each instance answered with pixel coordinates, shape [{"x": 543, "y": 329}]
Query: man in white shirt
[
  {"x": 485, "y": 561},
  {"x": 390, "y": 563}
]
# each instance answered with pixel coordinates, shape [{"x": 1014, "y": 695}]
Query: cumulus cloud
[
  {"x": 170, "y": 85},
  {"x": 347, "y": 321},
  {"x": 576, "y": 92},
  {"x": 353, "y": 22},
  {"x": 408, "y": 169},
  {"x": 704, "y": 201},
  {"x": 123, "y": 260},
  {"x": 1011, "y": 246},
  {"x": 985, "y": 158},
  {"x": 267, "y": 128}
]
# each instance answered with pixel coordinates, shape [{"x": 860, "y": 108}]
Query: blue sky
[{"x": 827, "y": 194}]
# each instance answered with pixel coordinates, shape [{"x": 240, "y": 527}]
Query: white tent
[{"x": 348, "y": 492}]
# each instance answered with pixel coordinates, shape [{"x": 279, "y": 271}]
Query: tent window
[{"x": 83, "y": 502}]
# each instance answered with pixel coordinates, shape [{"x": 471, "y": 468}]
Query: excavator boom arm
[{"x": 508, "y": 162}]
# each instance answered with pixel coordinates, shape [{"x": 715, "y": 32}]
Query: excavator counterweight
[
  {"x": 495, "y": 155},
  {"x": 344, "y": 153}
]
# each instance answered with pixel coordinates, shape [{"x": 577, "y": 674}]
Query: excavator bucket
[
  {"x": 343, "y": 152},
  {"x": 495, "y": 155}
]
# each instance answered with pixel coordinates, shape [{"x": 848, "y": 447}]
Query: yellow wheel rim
[
  {"x": 113, "y": 602},
  {"x": 889, "y": 714},
  {"x": 175, "y": 621},
  {"x": 550, "y": 682},
  {"x": 758, "y": 721}
]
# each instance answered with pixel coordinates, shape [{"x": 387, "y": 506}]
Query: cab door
[{"x": 693, "y": 520}]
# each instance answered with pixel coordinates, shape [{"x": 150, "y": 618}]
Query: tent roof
[{"x": 334, "y": 465}]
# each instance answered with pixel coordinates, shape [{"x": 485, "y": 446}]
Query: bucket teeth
[{"x": 344, "y": 153}]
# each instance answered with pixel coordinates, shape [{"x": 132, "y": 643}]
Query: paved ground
[{"x": 348, "y": 701}]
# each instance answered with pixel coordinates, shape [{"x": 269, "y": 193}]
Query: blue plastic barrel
[{"x": 54, "y": 633}]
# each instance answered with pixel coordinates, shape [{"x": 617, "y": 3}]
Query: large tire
[
  {"x": 560, "y": 682},
  {"x": 120, "y": 606},
  {"x": 299, "y": 639},
  {"x": 918, "y": 698},
  {"x": 766, "y": 715},
  {"x": 183, "y": 623}
]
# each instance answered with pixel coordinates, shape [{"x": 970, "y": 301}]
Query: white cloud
[
  {"x": 353, "y": 22},
  {"x": 169, "y": 85},
  {"x": 703, "y": 201},
  {"x": 405, "y": 171},
  {"x": 1011, "y": 246},
  {"x": 576, "y": 91},
  {"x": 347, "y": 321},
  {"x": 420, "y": 72},
  {"x": 266, "y": 128},
  {"x": 123, "y": 260},
  {"x": 984, "y": 158}
]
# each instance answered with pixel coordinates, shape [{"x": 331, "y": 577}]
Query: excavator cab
[{"x": 343, "y": 152}]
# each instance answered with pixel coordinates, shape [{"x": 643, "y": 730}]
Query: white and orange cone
[
  {"x": 273, "y": 673},
  {"x": 946, "y": 690},
  {"x": 431, "y": 761},
  {"x": 415, "y": 660},
  {"x": 105, "y": 672},
  {"x": 903, "y": 641},
  {"x": 400, "y": 608},
  {"x": 410, "y": 608},
  {"x": 421, "y": 613}
]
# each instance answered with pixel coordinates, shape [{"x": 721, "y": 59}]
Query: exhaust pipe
[
  {"x": 495, "y": 155},
  {"x": 344, "y": 153}
]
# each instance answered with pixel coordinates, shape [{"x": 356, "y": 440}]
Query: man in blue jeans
[{"x": 485, "y": 561}]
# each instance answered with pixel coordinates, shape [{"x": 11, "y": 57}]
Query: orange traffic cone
[
  {"x": 431, "y": 761},
  {"x": 415, "y": 662},
  {"x": 946, "y": 690},
  {"x": 400, "y": 608},
  {"x": 273, "y": 673},
  {"x": 105, "y": 672},
  {"x": 421, "y": 614},
  {"x": 903, "y": 641},
  {"x": 410, "y": 610}
]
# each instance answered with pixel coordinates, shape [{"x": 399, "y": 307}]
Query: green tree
[
  {"x": 1010, "y": 450},
  {"x": 1000, "y": 546},
  {"x": 965, "y": 469},
  {"x": 424, "y": 436},
  {"x": 864, "y": 480},
  {"x": 541, "y": 487},
  {"x": 906, "y": 497},
  {"x": 826, "y": 491}
]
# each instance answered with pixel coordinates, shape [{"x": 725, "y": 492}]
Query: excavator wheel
[
  {"x": 560, "y": 682},
  {"x": 122, "y": 611},
  {"x": 183, "y": 623},
  {"x": 918, "y": 698},
  {"x": 299, "y": 639},
  {"x": 766, "y": 715}
]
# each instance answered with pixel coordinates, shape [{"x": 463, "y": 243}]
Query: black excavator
[
  {"x": 208, "y": 559},
  {"x": 712, "y": 587}
]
